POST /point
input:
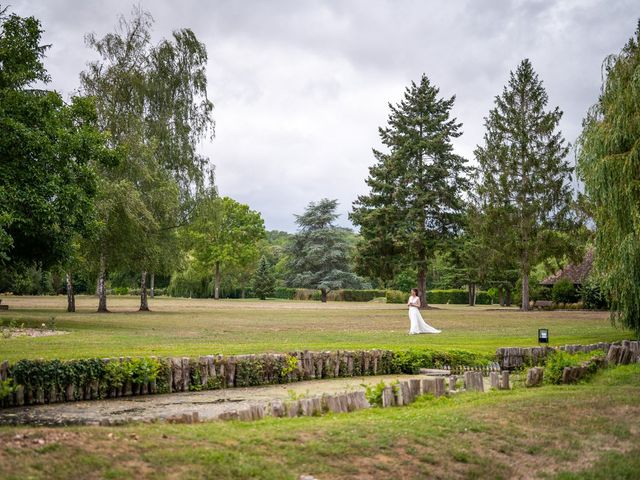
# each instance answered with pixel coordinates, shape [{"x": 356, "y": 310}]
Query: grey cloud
[{"x": 301, "y": 87}]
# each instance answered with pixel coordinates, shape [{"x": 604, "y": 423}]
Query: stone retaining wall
[
  {"x": 512, "y": 358},
  {"x": 210, "y": 372}
]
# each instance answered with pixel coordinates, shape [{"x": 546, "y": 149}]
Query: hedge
[
  {"x": 457, "y": 297},
  {"x": 454, "y": 297},
  {"x": 285, "y": 293},
  {"x": 396, "y": 296},
  {"x": 345, "y": 295},
  {"x": 361, "y": 295}
]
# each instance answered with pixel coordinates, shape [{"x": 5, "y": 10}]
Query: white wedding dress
[{"x": 418, "y": 325}]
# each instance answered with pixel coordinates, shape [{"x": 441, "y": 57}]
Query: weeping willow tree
[{"x": 609, "y": 163}]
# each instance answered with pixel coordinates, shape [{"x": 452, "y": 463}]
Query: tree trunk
[
  {"x": 472, "y": 294},
  {"x": 525, "y": 292},
  {"x": 508, "y": 300},
  {"x": 71, "y": 296},
  {"x": 152, "y": 289},
  {"x": 242, "y": 294},
  {"x": 144, "y": 304},
  {"x": 102, "y": 289},
  {"x": 216, "y": 282},
  {"x": 323, "y": 295},
  {"x": 422, "y": 288},
  {"x": 501, "y": 296}
]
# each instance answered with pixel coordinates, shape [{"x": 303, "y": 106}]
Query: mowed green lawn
[{"x": 193, "y": 327}]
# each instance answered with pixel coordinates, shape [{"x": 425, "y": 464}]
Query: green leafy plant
[
  {"x": 396, "y": 296},
  {"x": 144, "y": 370},
  {"x": 195, "y": 385},
  {"x": 293, "y": 395},
  {"x": 564, "y": 292},
  {"x": 592, "y": 296},
  {"x": 114, "y": 375},
  {"x": 7, "y": 388},
  {"x": 374, "y": 393},
  {"x": 215, "y": 383},
  {"x": 558, "y": 360},
  {"x": 163, "y": 377},
  {"x": 290, "y": 366},
  {"x": 411, "y": 361}
]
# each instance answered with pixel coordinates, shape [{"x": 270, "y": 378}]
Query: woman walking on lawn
[{"x": 418, "y": 325}]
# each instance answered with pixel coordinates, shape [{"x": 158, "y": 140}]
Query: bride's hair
[{"x": 416, "y": 291}]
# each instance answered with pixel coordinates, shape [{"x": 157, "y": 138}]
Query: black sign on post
[{"x": 543, "y": 335}]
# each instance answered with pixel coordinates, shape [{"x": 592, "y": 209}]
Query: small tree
[
  {"x": 224, "y": 234},
  {"x": 264, "y": 282}
]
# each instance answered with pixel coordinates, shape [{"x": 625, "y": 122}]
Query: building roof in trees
[{"x": 576, "y": 274}]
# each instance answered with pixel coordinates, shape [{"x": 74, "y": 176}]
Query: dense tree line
[{"x": 106, "y": 190}]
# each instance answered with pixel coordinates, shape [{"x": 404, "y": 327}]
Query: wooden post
[
  {"x": 388, "y": 399},
  {"x": 534, "y": 377},
  {"x": 495, "y": 380},
  {"x": 504, "y": 380}
]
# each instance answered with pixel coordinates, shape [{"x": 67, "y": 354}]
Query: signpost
[{"x": 543, "y": 335}]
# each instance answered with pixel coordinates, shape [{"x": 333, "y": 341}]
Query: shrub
[
  {"x": 121, "y": 291},
  {"x": 411, "y": 361},
  {"x": 483, "y": 298},
  {"x": 593, "y": 297},
  {"x": 396, "y": 296},
  {"x": 457, "y": 297},
  {"x": 361, "y": 295},
  {"x": 285, "y": 293},
  {"x": 6, "y": 388},
  {"x": 564, "y": 292},
  {"x": 189, "y": 284},
  {"x": 374, "y": 394},
  {"x": 306, "y": 294},
  {"x": 540, "y": 292},
  {"x": 558, "y": 360}
]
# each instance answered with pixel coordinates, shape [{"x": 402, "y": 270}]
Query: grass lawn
[
  {"x": 587, "y": 431},
  {"x": 202, "y": 326}
]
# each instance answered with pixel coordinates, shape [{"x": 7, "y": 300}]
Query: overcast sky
[{"x": 301, "y": 87}]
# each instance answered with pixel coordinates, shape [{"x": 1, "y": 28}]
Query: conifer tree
[
  {"x": 319, "y": 253},
  {"x": 609, "y": 162},
  {"x": 264, "y": 282},
  {"x": 415, "y": 205},
  {"x": 524, "y": 188}
]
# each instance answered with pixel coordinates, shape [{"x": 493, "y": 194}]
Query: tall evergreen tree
[
  {"x": 609, "y": 162},
  {"x": 264, "y": 282},
  {"x": 524, "y": 188},
  {"x": 319, "y": 252},
  {"x": 415, "y": 205}
]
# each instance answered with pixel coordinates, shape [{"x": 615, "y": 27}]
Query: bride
[{"x": 418, "y": 325}]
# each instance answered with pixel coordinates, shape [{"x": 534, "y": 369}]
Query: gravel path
[{"x": 208, "y": 404}]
